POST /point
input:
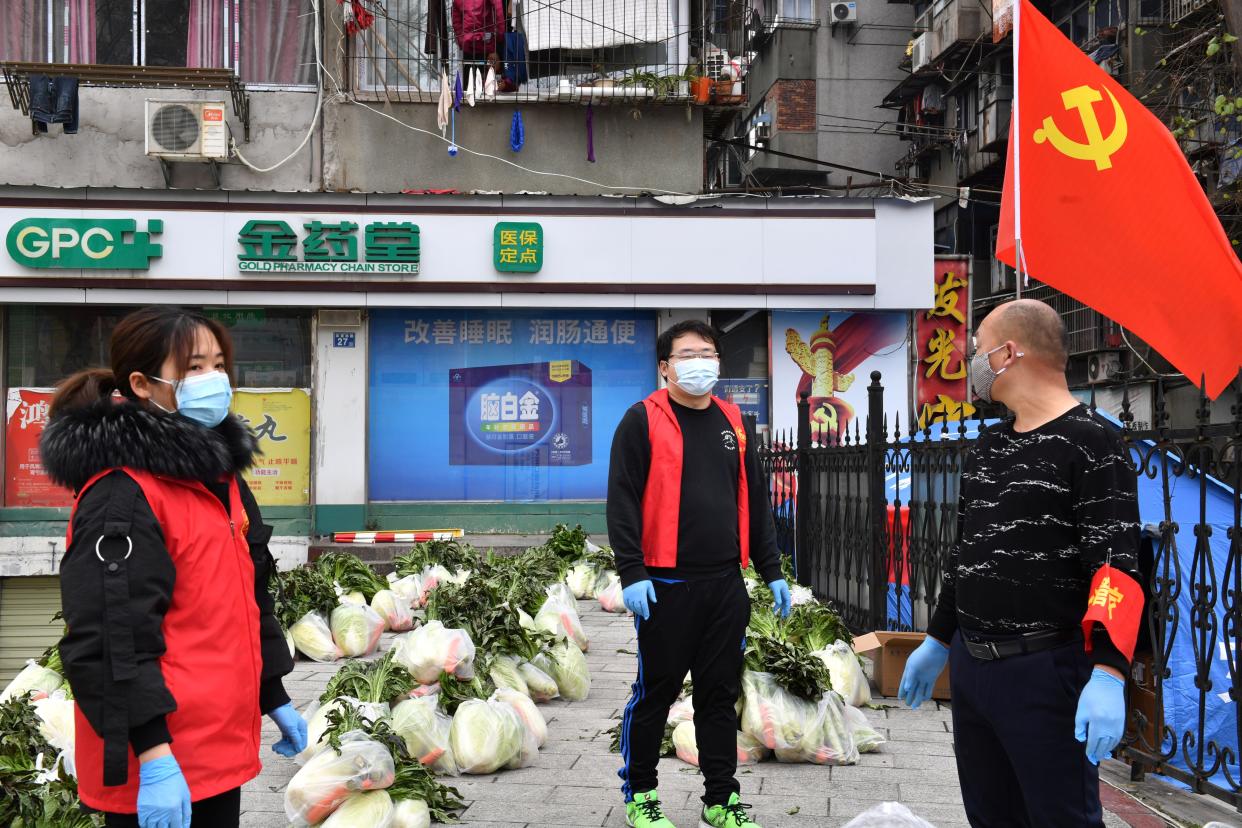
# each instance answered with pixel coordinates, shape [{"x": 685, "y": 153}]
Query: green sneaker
[
  {"x": 644, "y": 812},
  {"x": 732, "y": 815}
]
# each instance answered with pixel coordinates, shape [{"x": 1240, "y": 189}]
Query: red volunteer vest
[
  {"x": 662, "y": 497},
  {"x": 212, "y": 664}
]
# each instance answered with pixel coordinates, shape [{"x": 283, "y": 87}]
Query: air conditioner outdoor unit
[
  {"x": 1103, "y": 367},
  {"x": 921, "y": 55},
  {"x": 845, "y": 12},
  {"x": 187, "y": 130}
]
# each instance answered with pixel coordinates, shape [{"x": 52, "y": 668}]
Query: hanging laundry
[
  {"x": 516, "y": 68},
  {"x": 357, "y": 18},
  {"x": 54, "y": 100},
  {"x": 489, "y": 85},
  {"x": 517, "y": 133},
  {"x": 479, "y": 26},
  {"x": 476, "y": 80},
  {"x": 590, "y": 123},
  {"x": 470, "y": 87},
  {"x": 458, "y": 94},
  {"x": 446, "y": 102}
]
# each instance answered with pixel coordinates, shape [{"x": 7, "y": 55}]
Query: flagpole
[{"x": 1017, "y": 149}]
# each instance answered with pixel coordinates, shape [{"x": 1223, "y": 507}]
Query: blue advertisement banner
[
  {"x": 750, "y": 395},
  {"x": 496, "y": 405}
]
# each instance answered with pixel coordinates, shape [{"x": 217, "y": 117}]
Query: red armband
[{"x": 1116, "y": 602}]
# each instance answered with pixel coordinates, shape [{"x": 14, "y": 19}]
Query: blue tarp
[{"x": 1181, "y": 697}]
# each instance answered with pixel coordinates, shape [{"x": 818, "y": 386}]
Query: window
[
  {"x": 265, "y": 41},
  {"x": 1080, "y": 22},
  {"x": 799, "y": 11},
  {"x": 272, "y": 348}
]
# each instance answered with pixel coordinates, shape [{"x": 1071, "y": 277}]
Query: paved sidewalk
[{"x": 575, "y": 782}]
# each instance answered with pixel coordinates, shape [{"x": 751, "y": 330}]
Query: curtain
[
  {"x": 205, "y": 46},
  {"x": 25, "y": 24},
  {"x": 277, "y": 42}
]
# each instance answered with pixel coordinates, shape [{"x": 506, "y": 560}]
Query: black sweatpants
[
  {"x": 1013, "y": 733},
  {"x": 222, "y": 811},
  {"x": 696, "y": 627}
]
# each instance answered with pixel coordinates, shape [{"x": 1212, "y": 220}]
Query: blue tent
[{"x": 1181, "y": 697}]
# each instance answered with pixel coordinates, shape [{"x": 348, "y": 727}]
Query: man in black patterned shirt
[{"x": 1048, "y": 500}]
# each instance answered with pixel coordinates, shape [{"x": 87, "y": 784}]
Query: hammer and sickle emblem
[{"x": 1097, "y": 148}]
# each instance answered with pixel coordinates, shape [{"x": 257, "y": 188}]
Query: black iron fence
[{"x": 871, "y": 515}]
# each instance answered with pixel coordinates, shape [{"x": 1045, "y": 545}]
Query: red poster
[
  {"x": 941, "y": 346},
  {"x": 25, "y": 482}
]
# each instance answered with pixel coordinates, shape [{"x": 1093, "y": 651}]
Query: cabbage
[
  {"x": 778, "y": 719},
  {"x": 411, "y": 813},
  {"x": 581, "y": 580},
  {"x": 611, "y": 597},
  {"x": 524, "y": 619},
  {"x": 866, "y": 738},
  {"x": 409, "y": 589},
  {"x": 432, "y": 577},
  {"x": 542, "y": 686},
  {"x": 434, "y": 648},
  {"x": 569, "y": 669},
  {"x": 329, "y": 778},
  {"x": 372, "y": 809},
  {"x": 56, "y": 725},
  {"x": 485, "y": 736},
  {"x": 317, "y": 718},
  {"x": 34, "y": 679},
  {"x": 749, "y": 751},
  {"x": 354, "y": 597},
  {"x": 394, "y": 609},
  {"x": 425, "y": 731},
  {"x": 847, "y": 676},
  {"x": 685, "y": 744},
  {"x": 531, "y": 718},
  {"x": 682, "y": 711},
  {"x": 504, "y": 673},
  {"x": 313, "y": 638},
  {"x": 356, "y": 629},
  {"x": 293, "y": 650},
  {"x": 559, "y": 616},
  {"x": 799, "y": 594}
]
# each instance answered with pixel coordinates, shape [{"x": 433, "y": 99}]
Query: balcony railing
[{"x": 567, "y": 51}]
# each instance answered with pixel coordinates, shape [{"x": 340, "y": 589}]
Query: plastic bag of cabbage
[
  {"x": 313, "y": 638},
  {"x": 356, "y": 629},
  {"x": 328, "y": 779},
  {"x": 425, "y": 729},
  {"x": 559, "y": 616},
  {"x": 611, "y": 597},
  {"x": 369, "y": 809},
  {"x": 394, "y": 609},
  {"x": 505, "y": 671},
  {"x": 749, "y": 751},
  {"x": 796, "y": 729},
  {"x": 317, "y": 719},
  {"x": 411, "y": 813},
  {"x": 566, "y": 664},
  {"x": 434, "y": 648},
  {"x": 409, "y": 589},
  {"x": 35, "y": 680},
  {"x": 866, "y": 738},
  {"x": 581, "y": 580},
  {"x": 541, "y": 686},
  {"x": 489, "y": 735},
  {"x": 847, "y": 675}
]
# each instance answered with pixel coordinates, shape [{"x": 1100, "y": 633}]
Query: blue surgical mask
[
  {"x": 697, "y": 376},
  {"x": 203, "y": 398}
]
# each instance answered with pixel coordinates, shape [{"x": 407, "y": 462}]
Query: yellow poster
[{"x": 281, "y": 420}]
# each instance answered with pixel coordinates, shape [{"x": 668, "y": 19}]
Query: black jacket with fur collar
[{"x": 77, "y": 445}]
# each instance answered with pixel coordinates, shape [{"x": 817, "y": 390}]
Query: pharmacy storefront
[{"x": 418, "y": 362}]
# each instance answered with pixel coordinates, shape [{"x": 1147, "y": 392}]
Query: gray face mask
[{"x": 982, "y": 377}]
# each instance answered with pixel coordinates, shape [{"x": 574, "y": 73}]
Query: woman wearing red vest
[
  {"x": 172, "y": 649},
  {"x": 687, "y": 509}
]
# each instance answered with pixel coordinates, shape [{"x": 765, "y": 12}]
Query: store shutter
[{"x": 26, "y": 626}]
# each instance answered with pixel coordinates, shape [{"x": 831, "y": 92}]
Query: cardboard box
[{"x": 889, "y": 652}]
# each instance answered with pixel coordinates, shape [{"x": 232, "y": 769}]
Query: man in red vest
[{"x": 687, "y": 509}]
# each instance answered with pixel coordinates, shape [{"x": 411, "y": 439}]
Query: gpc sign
[{"x": 104, "y": 244}]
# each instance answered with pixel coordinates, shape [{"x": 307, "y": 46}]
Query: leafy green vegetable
[
  {"x": 815, "y": 626},
  {"x": 454, "y": 691},
  {"x": 381, "y": 680},
  {"x": 792, "y": 666},
  {"x": 300, "y": 591},
  {"x": 452, "y": 555},
  {"x": 24, "y": 801},
  {"x": 568, "y": 544},
  {"x": 480, "y": 607},
  {"x": 667, "y": 748},
  {"x": 351, "y": 573}
]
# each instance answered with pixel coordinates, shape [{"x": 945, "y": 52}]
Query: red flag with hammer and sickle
[{"x": 1111, "y": 213}]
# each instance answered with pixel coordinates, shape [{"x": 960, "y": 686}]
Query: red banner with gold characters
[
  {"x": 941, "y": 346},
  {"x": 25, "y": 481},
  {"x": 1116, "y": 602}
]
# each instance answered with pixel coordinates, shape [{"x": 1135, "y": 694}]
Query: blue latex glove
[
  {"x": 163, "y": 796},
  {"x": 923, "y": 667},
  {"x": 638, "y": 597},
  {"x": 292, "y": 727},
  {"x": 1101, "y": 718},
  {"x": 783, "y": 599}
]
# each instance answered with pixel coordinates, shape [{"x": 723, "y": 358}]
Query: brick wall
[{"x": 795, "y": 105}]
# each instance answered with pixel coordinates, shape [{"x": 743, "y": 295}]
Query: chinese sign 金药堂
[{"x": 270, "y": 245}]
